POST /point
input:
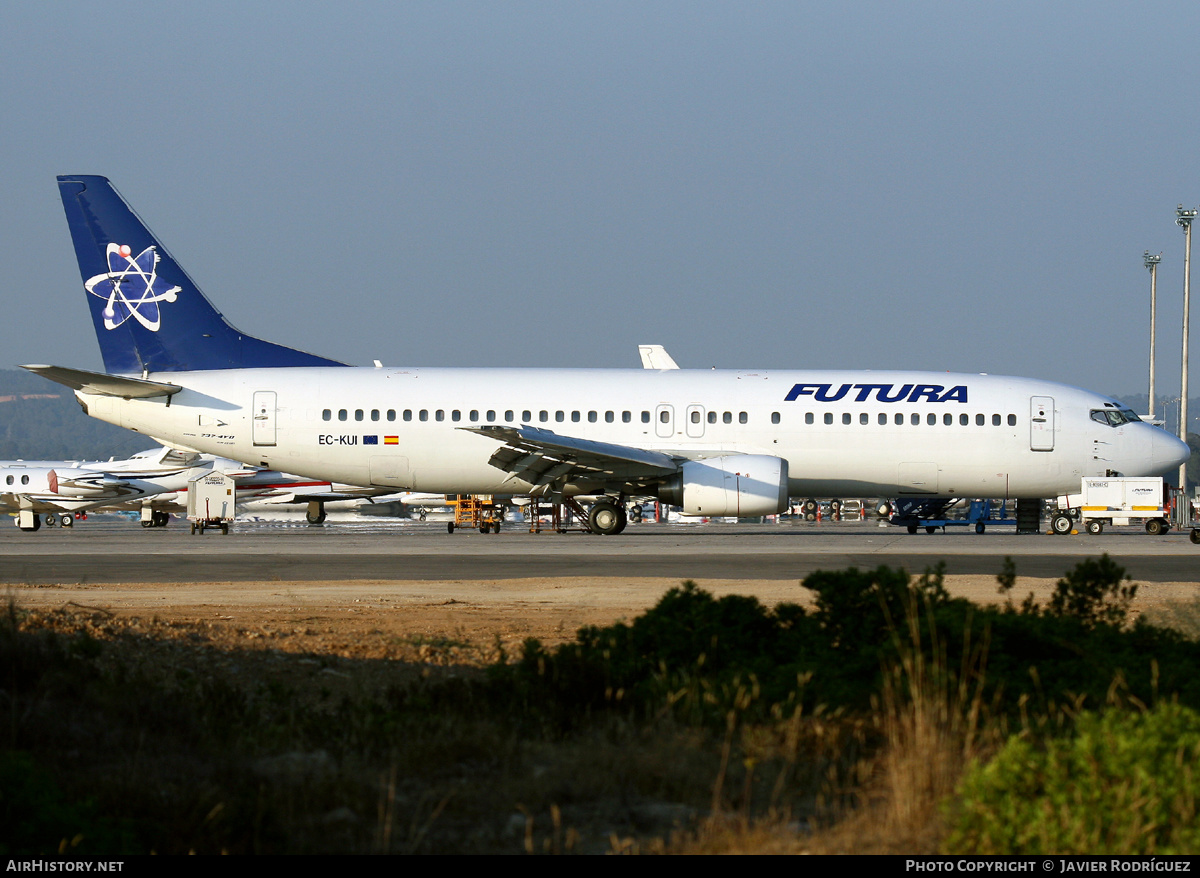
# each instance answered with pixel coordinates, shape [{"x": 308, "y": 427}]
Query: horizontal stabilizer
[{"x": 104, "y": 385}]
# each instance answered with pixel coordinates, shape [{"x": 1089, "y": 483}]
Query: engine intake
[{"x": 738, "y": 484}]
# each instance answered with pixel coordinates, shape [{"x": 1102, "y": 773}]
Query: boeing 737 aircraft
[{"x": 716, "y": 443}]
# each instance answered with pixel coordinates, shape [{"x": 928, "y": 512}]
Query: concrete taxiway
[{"x": 116, "y": 550}]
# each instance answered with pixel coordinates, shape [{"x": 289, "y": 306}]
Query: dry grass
[{"x": 929, "y": 722}]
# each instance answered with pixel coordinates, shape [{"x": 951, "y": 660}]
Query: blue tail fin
[{"x": 148, "y": 313}]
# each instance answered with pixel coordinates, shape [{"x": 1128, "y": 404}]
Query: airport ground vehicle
[
  {"x": 1184, "y": 511},
  {"x": 1113, "y": 501},
  {"x": 475, "y": 511},
  {"x": 917, "y": 514},
  {"x": 211, "y": 501}
]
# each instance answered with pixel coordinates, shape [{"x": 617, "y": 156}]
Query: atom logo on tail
[{"x": 131, "y": 287}]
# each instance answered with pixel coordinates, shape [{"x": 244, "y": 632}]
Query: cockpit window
[{"x": 1114, "y": 417}]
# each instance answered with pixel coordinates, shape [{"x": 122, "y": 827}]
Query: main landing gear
[
  {"x": 607, "y": 518},
  {"x": 157, "y": 518}
]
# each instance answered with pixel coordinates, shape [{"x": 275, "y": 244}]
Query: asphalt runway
[{"x": 113, "y": 550}]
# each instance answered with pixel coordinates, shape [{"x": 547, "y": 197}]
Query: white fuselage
[
  {"x": 74, "y": 485},
  {"x": 842, "y": 433}
]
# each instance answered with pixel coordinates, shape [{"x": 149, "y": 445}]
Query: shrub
[
  {"x": 1094, "y": 592},
  {"x": 1120, "y": 782}
]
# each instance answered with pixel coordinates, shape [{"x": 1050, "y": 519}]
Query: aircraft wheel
[
  {"x": 147, "y": 523},
  {"x": 160, "y": 518},
  {"x": 1061, "y": 524},
  {"x": 624, "y": 520},
  {"x": 315, "y": 514},
  {"x": 810, "y": 508},
  {"x": 66, "y": 520},
  {"x": 1155, "y": 526},
  {"x": 423, "y": 516},
  {"x": 604, "y": 518},
  {"x": 1195, "y": 536},
  {"x": 1095, "y": 526},
  {"x": 51, "y": 519},
  {"x": 835, "y": 506},
  {"x": 810, "y": 516},
  {"x": 636, "y": 510}
]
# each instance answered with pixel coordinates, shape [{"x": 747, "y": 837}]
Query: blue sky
[{"x": 949, "y": 186}]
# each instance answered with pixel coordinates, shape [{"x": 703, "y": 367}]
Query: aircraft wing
[
  {"x": 42, "y": 503},
  {"x": 541, "y": 457}
]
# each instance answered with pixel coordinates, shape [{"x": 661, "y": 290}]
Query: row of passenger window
[
  {"x": 528, "y": 418},
  {"x": 914, "y": 419},
  {"x": 8, "y": 480}
]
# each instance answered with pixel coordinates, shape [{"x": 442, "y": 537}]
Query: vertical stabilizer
[{"x": 149, "y": 315}]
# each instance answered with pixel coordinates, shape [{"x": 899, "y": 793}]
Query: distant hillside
[{"x": 40, "y": 420}]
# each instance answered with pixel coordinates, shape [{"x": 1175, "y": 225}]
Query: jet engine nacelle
[{"x": 738, "y": 484}]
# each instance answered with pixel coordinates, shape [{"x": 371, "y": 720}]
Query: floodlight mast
[
  {"x": 1184, "y": 219},
  {"x": 1151, "y": 262}
]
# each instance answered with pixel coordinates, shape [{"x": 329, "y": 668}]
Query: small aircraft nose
[{"x": 1169, "y": 451}]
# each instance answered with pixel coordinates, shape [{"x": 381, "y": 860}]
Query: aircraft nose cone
[{"x": 1169, "y": 452}]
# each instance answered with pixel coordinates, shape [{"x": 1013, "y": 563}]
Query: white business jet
[{"x": 57, "y": 490}]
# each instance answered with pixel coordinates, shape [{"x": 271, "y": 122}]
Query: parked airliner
[{"x": 714, "y": 442}]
